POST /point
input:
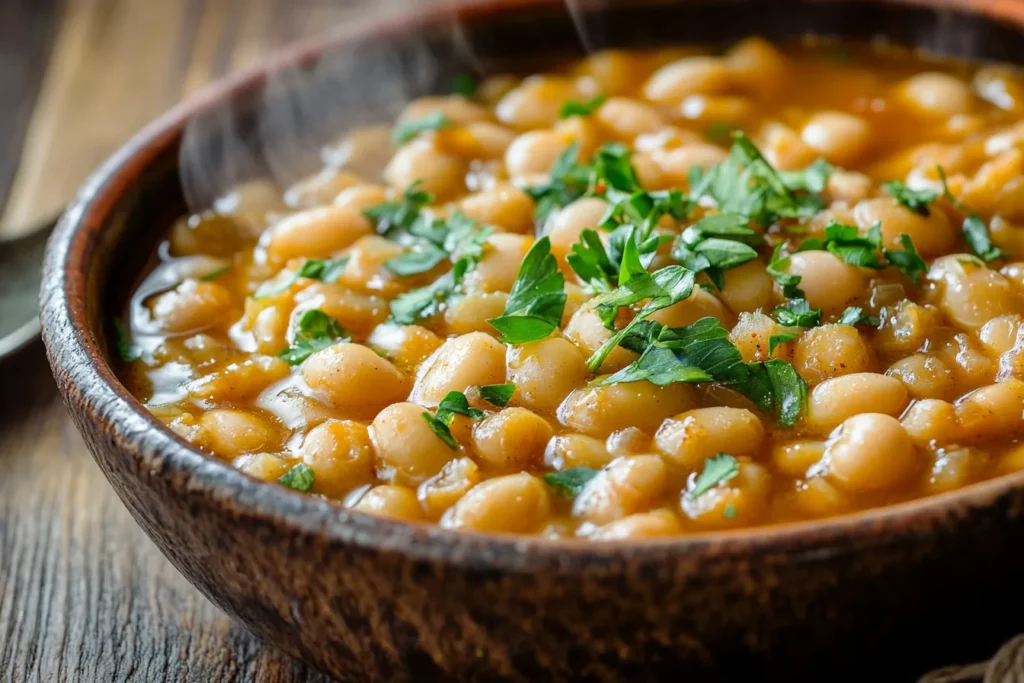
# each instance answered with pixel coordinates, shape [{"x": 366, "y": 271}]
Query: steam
[{"x": 286, "y": 130}]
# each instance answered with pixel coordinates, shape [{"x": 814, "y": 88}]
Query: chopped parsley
[
  {"x": 535, "y": 304},
  {"x": 917, "y": 201},
  {"x": 126, "y": 350},
  {"x": 441, "y": 430},
  {"x": 718, "y": 469},
  {"x": 718, "y": 131},
  {"x": 777, "y": 340},
  {"x": 426, "y": 302},
  {"x": 974, "y": 229},
  {"x": 907, "y": 259},
  {"x": 498, "y": 394},
  {"x": 214, "y": 274},
  {"x": 436, "y": 240},
  {"x": 300, "y": 477},
  {"x": 777, "y": 268},
  {"x": 570, "y": 482},
  {"x": 774, "y": 385},
  {"x": 324, "y": 270},
  {"x": 846, "y": 243},
  {"x": 315, "y": 331},
  {"x": 855, "y": 315},
  {"x": 568, "y": 181},
  {"x": 454, "y": 403},
  {"x": 715, "y": 244},
  {"x": 584, "y": 108},
  {"x": 390, "y": 217},
  {"x": 464, "y": 85},
  {"x": 797, "y": 313},
  {"x": 404, "y": 132}
]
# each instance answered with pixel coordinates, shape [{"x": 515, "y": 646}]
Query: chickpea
[
  {"x": 361, "y": 197},
  {"x": 341, "y": 456},
  {"x": 355, "y": 311},
  {"x": 443, "y": 175},
  {"x": 566, "y": 451},
  {"x": 752, "y": 336},
  {"x": 474, "y": 359},
  {"x": 352, "y": 377},
  {"x": 456, "y": 108},
  {"x": 747, "y": 288},
  {"x": 935, "y": 95},
  {"x": 839, "y": 398},
  {"x": 536, "y": 102},
  {"x": 406, "y": 345},
  {"x": 707, "y": 109},
  {"x": 444, "y": 489},
  {"x": 229, "y": 433},
  {"x": 932, "y": 235},
  {"x": 582, "y": 131},
  {"x": 263, "y": 466},
  {"x": 828, "y": 283},
  {"x": 907, "y": 328},
  {"x": 364, "y": 151},
  {"x": 515, "y": 504},
  {"x": 818, "y": 498},
  {"x": 841, "y": 138},
  {"x": 700, "y": 304},
  {"x": 689, "y": 438},
  {"x": 316, "y": 233},
  {"x": 471, "y": 312},
  {"x": 497, "y": 270},
  {"x": 534, "y": 152},
  {"x": 870, "y": 452},
  {"x": 931, "y": 421},
  {"x": 756, "y": 66},
  {"x": 504, "y": 206},
  {"x": 831, "y": 351},
  {"x": 614, "y": 71},
  {"x": 486, "y": 140},
  {"x": 741, "y": 500},
  {"x": 924, "y": 376},
  {"x": 366, "y": 270},
  {"x": 848, "y": 186},
  {"x": 191, "y": 306},
  {"x": 784, "y": 148},
  {"x": 673, "y": 82},
  {"x": 392, "y": 502},
  {"x": 628, "y": 441},
  {"x": 601, "y": 410},
  {"x": 954, "y": 468},
  {"x": 545, "y": 371},
  {"x": 408, "y": 451},
  {"x": 257, "y": 196},
  {"x": 239, "y": 381},
  {"x": 320, "y": 188},
  {"x": 641, "y": 525},
  {"x": 992, "y": 412},
  {"x": 624, "y": 118},
  {"x": 972, "y": 294},
  {"x": 675, "y": 164},
  {"x": 796, "y": 458},
  {"x": 212, "y": 235},
  {"x": 512, "y": 439},
  {"x": 565, "y": 226},
  {"x": 588, "y": 333},
  {"x": 626, "y": 486},
  {"x": 995, "y": 188}
]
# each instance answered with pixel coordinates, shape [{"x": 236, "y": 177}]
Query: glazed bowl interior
[{"x": 329, "y": 86}]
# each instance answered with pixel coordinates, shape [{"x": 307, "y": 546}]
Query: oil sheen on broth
[{"x": 646, "y": 294}]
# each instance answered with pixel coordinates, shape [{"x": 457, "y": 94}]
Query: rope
[{"x": 1006, "y": 667}]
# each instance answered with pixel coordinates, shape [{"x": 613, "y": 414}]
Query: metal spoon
[{"x": 21, "y": 263}]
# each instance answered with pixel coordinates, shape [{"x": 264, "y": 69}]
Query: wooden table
[{"x": 84, "y": 594}]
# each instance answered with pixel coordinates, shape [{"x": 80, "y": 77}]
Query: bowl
[{"x": 879, "y": 594}]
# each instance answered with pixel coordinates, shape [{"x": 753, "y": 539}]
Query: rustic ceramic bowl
[{"x": 871, "y": 596}]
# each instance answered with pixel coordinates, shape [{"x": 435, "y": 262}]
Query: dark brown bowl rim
[{"x": 90, "y": 386}]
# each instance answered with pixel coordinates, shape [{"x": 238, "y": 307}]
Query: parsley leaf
[
  {"x": 324, "y": 270},
  {"x": 855, "y": 315},
  {"x": 535, "y": 304},
  {"x": 455, "y": 403},
  {"x": 422, "y": 257},
  {"x": 498, "y": 394},
  {"x": 441, "y": 430},
  {"x": 315, "y": 331},
  {"x": 777, "y": 269},
  {"x": 814, "y": 178},
  {"x": 614, "y": 169},
  {"x": 568, "y": 181},
  {"x": 777, "y": 340},
  {"x": 300, "y": 477},
  {"x": 584, "y": 108},
  {"x": 591, "y": 263},
  {"x": 775, "y": 385},
  {"x": 797, "y": 313},
  {"x": 979, "y": 240},
  {"x": 404, "y": 132},
  {"x": 915, "y": 200},
  {"x": 426, "y": 302},
  {"x": 127, "y": 351},
  {"x": 214, "y": 274},
  {"x": 464, "y": 85},
  {"x": 722, "y": 467},
  {"x": 569, "y": 482},
  {"x": 715, "y": 244},
  {"x": 846, "y": 243},
  {"x": 400, "y": 215},
  {"x": 907, "y": 259}
]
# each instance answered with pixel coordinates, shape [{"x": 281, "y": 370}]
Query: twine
[{"x": 1007, "y": 666}]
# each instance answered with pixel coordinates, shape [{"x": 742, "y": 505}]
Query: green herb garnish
[
  {"x": 441, "y": 430},
  {"x": 126, "y": 350},
  {"x": 568, "y": 181},
  {"x": 498, "y": 394},
  {"x": 584, "y": 108},
  {"x": 846, "y": 243},
  {"x": 299, "y": 477},
  {"x": 776, "y": 340},
  {"x": 315, "y": 331},
  {"x": 855, "y": 315},
  {"x": 426, "y": 302},
  {"x": 797, "y": 313},
  {"x": 715, "y": 244},
  {"x": 404, "y": 132},
  {"x": 777, "y": 269},
  {"x": 974, "y": 229},
  {"x": 214, "y": 274},
  {"x": 907, "y": 259},
  {"x": 720, "y": 468},
  {"x": 774, "y": 385},
  {"x": 422, "y": 257},
  {"x": 535, "y": 304},
  {"x": 464, "y": 85},
  {"x": 917, "y": 201},
  {"x": 324, "y": 270},
  {"x": 391, "y": 216},
  {"x": 570, "y": 482},
  {"x": 455, "y": 403}
]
